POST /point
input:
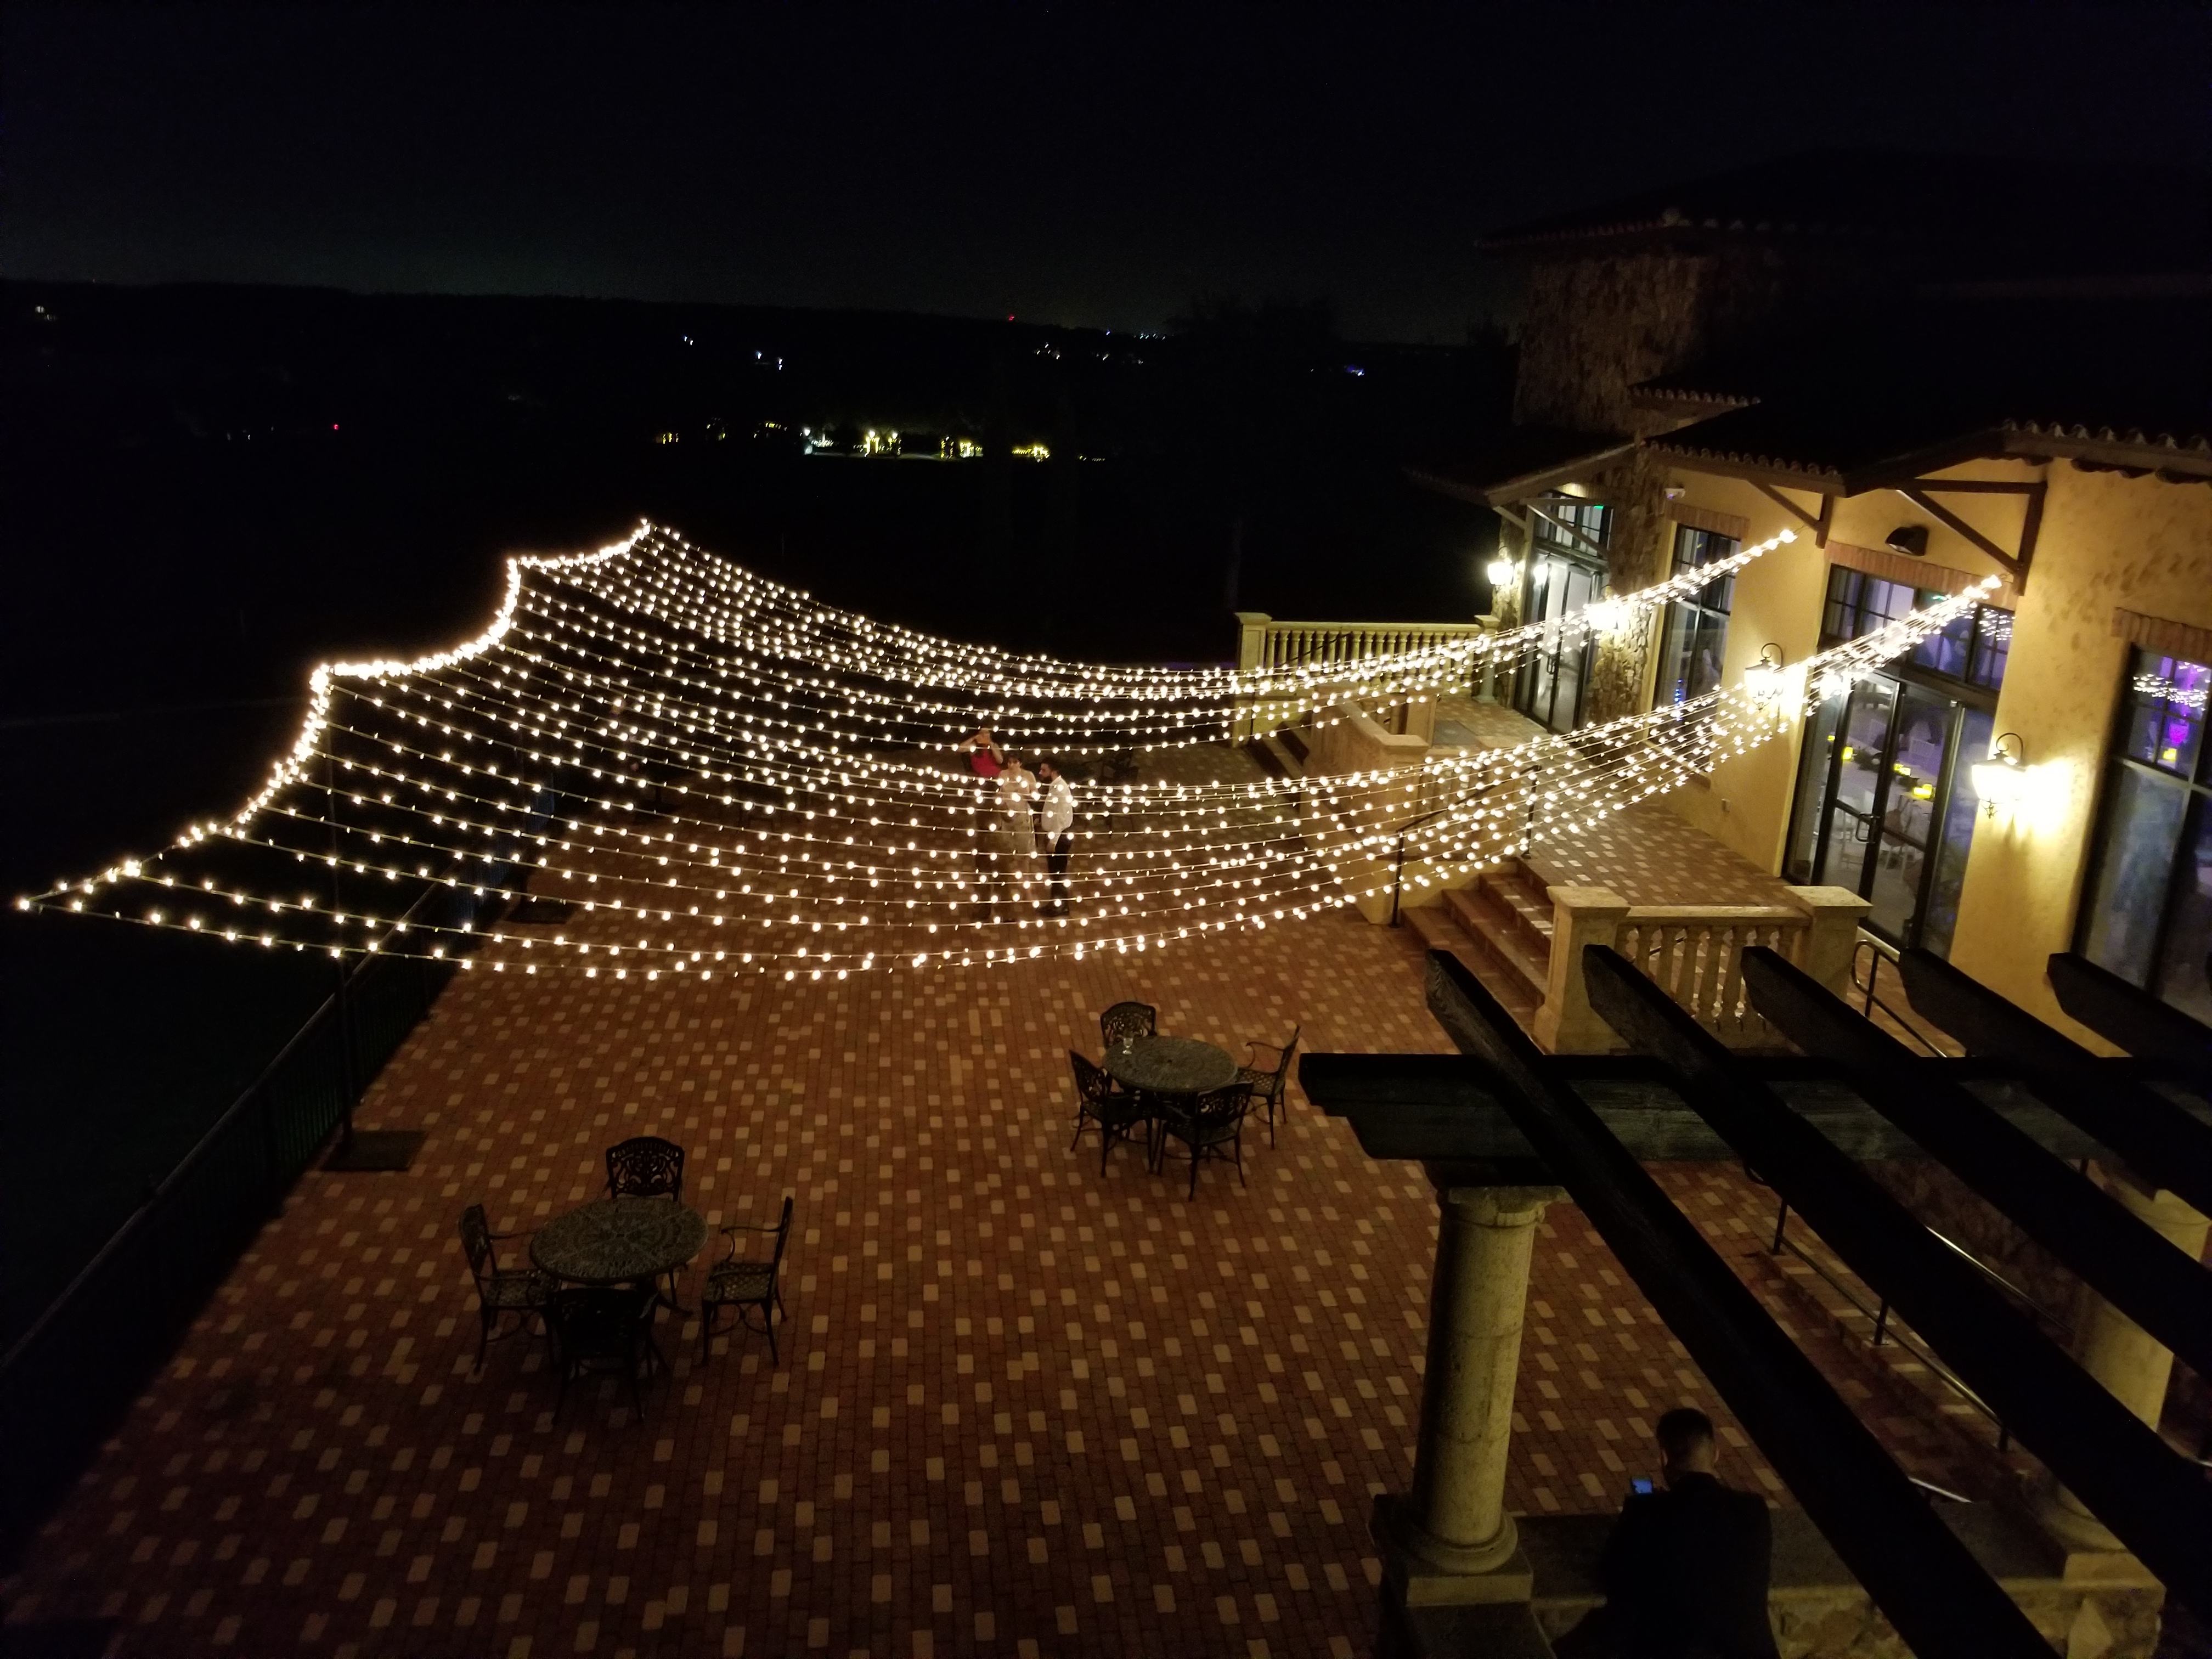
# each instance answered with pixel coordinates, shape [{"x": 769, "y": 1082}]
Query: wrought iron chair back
[
  {"x": 602, "y": 1328},
  {"x": 745, "y": 1285},
  {"x": 1103, "y": 1104},
  {"x": 1212, "y": 1125},
  {"x": 645, "y": 1166},
  {"x": 522, "y": 1292},
  {"x": 475, "y": 1243},
  {"x": 1268, "y": 1082},
  {"x": 1125, "y": 1021}
]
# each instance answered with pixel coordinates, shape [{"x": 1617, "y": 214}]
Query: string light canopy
[{"x": 655, "y": 762}]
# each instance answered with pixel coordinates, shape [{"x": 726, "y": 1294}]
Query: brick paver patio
[{"x": 1022, "y": 1409}]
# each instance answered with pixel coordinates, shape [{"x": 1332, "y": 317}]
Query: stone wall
[{"x": 1593, "y": 327}]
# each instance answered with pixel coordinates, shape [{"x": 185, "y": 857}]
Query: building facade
[{"x": 1927, "y": 395}]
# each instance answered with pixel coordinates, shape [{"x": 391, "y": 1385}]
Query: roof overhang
[
  {"x": 1520, "y": 486},
  {"x": 2132, "y": 452},
  {"x": 1830, "y": 478}
]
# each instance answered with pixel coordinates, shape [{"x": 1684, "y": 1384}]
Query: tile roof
[
  {"x": 1936, "y": 380},
  {"x": 2059, "y": 214}
]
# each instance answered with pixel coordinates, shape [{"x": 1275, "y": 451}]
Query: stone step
[
  {"x": 1287, "y": 754},
  {"x": 1529, "y": 898},
  {"x": 1498, "y": 928},
  {"x": 1267, "y": 759},
  {"x": 1439, "y": 930}
]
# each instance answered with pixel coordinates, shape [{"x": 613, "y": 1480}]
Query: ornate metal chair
[
  {"x": 746, "y": 1284},
  {"x": 603, "y": 1330},
  {"x": 645, "y": 1166},
  {"x": 1113, "y": 1111},
  {"x": 1126, "y": 1020},
  {"x": 1269, "y": 1082},
  {"x": 522, "y": 1292},
  {"x": 1212, "y": 1125}
]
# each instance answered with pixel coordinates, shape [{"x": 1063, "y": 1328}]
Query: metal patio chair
[
  {"x": 745, "y": 1285},
  {"x": 1104, "y": 1105},
  {"x": 602, "y": 1329},
  {"x": 645, "y": 1166},
  {"x": 1268, "y": 1083},
  {"x": 522, "y": 1292}
]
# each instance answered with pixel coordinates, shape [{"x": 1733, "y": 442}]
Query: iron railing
[
  {"x": 1873, "y": 954},
  {"x": 68, "y": 1379}
]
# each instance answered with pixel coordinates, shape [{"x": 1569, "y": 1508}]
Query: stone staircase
[
  {"x": 1280, "y": 754},
  {"x": 1501, "y": 929}
]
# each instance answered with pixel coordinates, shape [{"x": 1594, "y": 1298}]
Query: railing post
[
  {"x": 1566, "y": 1024},
  {"x": 1251, "y": 650},
  {"x": 1831, "y": 935},
  {"x": 1398, "y": 881}
]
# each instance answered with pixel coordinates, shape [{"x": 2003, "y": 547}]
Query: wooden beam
[
  {"x": 1921, "y": 493},
  {"x": 2085, "y": 1227},
  {"x": 1597, "y": 548},
  {"x": 1448, "y": 1108},
  {"x": 1938, "y": 1598},
  {"x": 2158, "y": 1504},
  {"x": 1816, "y": 522}
]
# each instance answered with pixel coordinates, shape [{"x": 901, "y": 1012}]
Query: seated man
[{"x": 1685, "y": 1570}]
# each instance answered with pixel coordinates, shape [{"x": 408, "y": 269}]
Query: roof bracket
[
  {"x": 1922, "y": 492},
  {"x": 1817, "y": 523}
]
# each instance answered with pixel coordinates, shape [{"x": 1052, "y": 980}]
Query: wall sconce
[
  {"x": 1762, "y": 679},
  {"x": 2002, "y": 780},
  {"x": 1501, "y": 572},
  {"x": 1909, "y": 539}
]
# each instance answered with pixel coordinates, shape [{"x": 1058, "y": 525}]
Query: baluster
[{"x": 1728, "y": 951}]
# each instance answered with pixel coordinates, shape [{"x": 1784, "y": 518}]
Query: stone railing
[
  {"x": 1695, "y": 954},
  {"x": 1264, "y": 643},
  {"x": 1355, "y": 825}
]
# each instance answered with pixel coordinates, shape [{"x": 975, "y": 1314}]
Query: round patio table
[
  {"x": 619, "y": 1241},
  {"x": 1170, "y": 1066}
]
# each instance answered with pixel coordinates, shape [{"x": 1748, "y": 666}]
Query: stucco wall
[
  {"x": 1746, "y": 803},
  {"x": 2108, "y": 541}
]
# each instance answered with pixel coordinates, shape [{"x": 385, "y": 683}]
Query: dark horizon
[{"x": 1079, "y": 168}]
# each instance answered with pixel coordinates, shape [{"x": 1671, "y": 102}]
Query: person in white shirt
[{"x": 1055, "y": 831}]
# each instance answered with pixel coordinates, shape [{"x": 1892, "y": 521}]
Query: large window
[
  {"x": 1886, "y": 804},
  {"x": 1697, "y": 627},
  {"x": 2148, "y": 917}
]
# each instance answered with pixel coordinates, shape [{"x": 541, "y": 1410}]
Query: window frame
[
  {"x": 2196, "y": 787},
  {"x": 1694, "y": 614}
]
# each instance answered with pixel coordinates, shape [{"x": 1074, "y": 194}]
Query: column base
[
  {"x": 1420, "y": 1570},
  {"x": 2090, "y": 1552}
]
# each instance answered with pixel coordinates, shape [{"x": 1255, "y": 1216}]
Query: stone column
[
  {"x": 1251, "y": 644},
  {"x": 1832, "y": 935},
  {"x": 1453, "y": 1528},
  {"x": 2121, "y": 1355},
  {"x": 1566, "y": 1024}
]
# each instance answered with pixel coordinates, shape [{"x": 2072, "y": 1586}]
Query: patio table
[
  {"x": 1170, "y": 1066},
  {"x": 619, "y": 1241},
  {"x": 1170, "y": 1069}
]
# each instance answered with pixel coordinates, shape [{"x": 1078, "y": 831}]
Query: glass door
[
  {"x": 1891, "y": 814},
  {"x": 1552, "y": 686}
]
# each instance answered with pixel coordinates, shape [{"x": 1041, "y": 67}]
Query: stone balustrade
[{"x": 1692, "y": 952}]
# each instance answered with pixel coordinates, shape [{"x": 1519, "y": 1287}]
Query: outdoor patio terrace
[{"x": 1022, "y": 1409}]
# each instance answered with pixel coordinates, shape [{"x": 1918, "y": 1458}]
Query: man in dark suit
[{"x": 1685, "y": 1570}]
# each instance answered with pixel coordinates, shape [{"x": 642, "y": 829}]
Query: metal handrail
[
  {"x": 1882, "y": 1331},
  {"x": 1398, "y": 879},
  {"x": 1878, "y": 953}
]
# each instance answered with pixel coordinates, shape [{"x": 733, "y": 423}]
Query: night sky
[{"x": 1066, "y": 164}]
